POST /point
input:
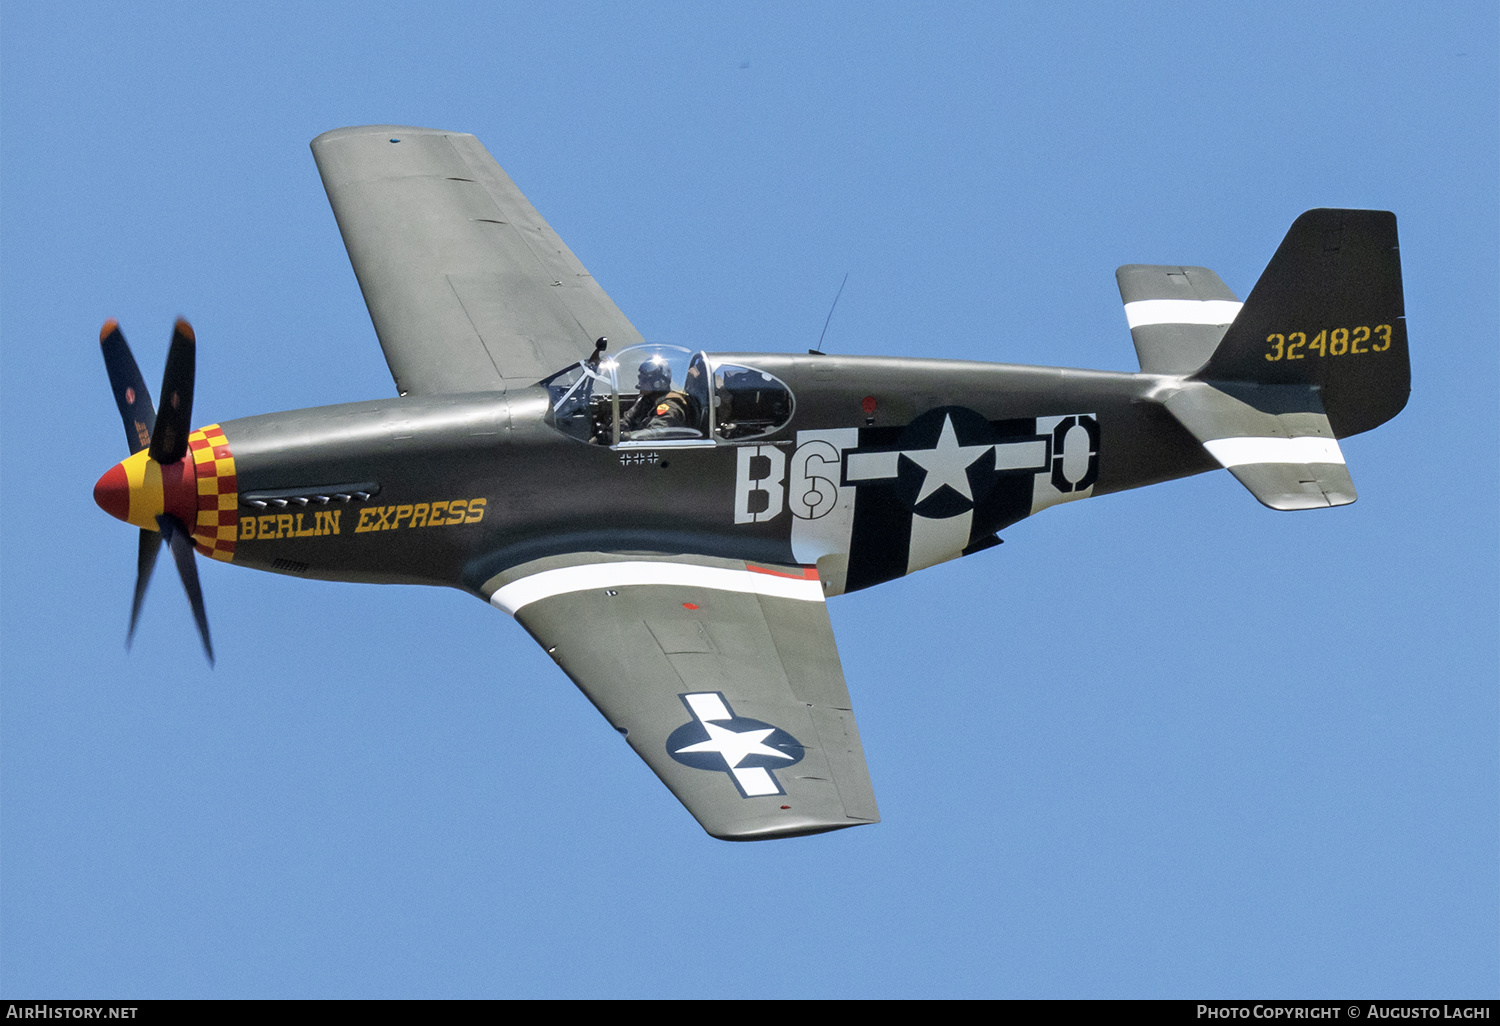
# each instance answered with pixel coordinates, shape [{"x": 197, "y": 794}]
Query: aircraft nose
[{"x": 112, "y": 493}]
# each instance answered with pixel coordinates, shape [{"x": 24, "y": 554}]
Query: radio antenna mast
[{"x": 819, "y": 351}]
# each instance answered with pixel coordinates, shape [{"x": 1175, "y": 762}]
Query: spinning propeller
[{"x": 156, "y": 487}]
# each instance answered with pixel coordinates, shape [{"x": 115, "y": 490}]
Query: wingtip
[
  {"x": 782, "y": 831},
  {"x": 335, "y": 134}
]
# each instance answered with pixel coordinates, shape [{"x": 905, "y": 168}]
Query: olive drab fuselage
[{"x": 886, "y": 465}]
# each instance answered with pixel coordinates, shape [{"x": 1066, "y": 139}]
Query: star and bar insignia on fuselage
[{"x": 945, "y": 461}]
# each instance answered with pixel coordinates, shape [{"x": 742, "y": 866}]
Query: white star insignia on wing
[{"x": 734, "y": 746}]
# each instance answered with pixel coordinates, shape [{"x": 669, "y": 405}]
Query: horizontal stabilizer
[
  {"x": 1275, "y": 439},
  {"x": 1177, "y": 315}
]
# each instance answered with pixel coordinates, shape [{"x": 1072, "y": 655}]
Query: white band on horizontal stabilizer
[
  {"x": 591, "y": 576},
  {"x": 1181, "y": 311},
  {"x": 1237, "y": 452}
]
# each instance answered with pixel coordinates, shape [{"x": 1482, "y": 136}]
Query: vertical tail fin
[{"x": 1327, "y": 313}]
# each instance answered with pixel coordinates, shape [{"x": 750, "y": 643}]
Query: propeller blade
[
  {"x": 169, "y": 438},
  {"x": 125, "y": 381},
  {"x": 175, "y": 534},
  {"x": 145, "y": 562}
]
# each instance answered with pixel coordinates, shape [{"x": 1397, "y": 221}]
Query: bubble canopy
[{"x": 663, "y": 395}]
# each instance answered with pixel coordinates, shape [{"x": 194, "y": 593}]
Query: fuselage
[{"x": 451, "y": 490}]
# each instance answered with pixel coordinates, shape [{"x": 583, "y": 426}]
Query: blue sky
[{"x": 1165, "y": 743}]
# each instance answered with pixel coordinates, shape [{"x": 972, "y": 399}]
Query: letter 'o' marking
[{"x": 1075, "y": 458}]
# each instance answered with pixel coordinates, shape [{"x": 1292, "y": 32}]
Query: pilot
[{"x": 659, "y": 406}]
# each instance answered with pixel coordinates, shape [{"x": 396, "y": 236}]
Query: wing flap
[
  {"x": 468, "y": 287},
  {"x": 724, "y": 679}
]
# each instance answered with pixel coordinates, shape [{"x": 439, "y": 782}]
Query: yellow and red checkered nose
[{"x": 200, "y": 490}]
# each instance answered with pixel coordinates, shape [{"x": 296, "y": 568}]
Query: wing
[
  {"x": 470, "y": 290},
  {"x": 722, "y": 675}
]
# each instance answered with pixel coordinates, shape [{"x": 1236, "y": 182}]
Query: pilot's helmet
[{"x": 655, "y": 375}]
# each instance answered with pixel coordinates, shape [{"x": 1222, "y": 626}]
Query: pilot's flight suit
[{"x": 656, "y": 410}]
